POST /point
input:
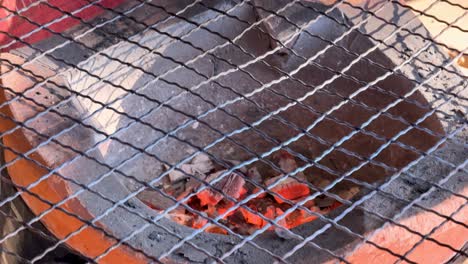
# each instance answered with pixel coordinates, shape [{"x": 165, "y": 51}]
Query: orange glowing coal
[
  {"x": 211, "y": 204},
  {"x": 248, "y": 217}
]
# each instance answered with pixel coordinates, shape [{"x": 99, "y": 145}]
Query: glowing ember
[{"x": 210, "y": 203}]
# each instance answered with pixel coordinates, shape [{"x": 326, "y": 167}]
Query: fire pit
[{"x": 185, "y": 142}]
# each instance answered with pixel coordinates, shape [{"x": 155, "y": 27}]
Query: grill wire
[{"x": 445, "y": 96}]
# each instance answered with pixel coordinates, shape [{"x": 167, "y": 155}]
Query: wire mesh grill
[{"x": 103, "y": 101}]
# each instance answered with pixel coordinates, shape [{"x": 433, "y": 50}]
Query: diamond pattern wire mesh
[{"x": 119, "y": 44}]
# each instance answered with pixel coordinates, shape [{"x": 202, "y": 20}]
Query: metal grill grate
[{"x": 103, "y": 101}]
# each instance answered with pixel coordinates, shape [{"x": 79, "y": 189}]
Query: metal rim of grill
[{"x": 442, "y": 192}]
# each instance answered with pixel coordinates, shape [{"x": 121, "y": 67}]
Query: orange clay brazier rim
[{"x": 97, "y": 228}]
